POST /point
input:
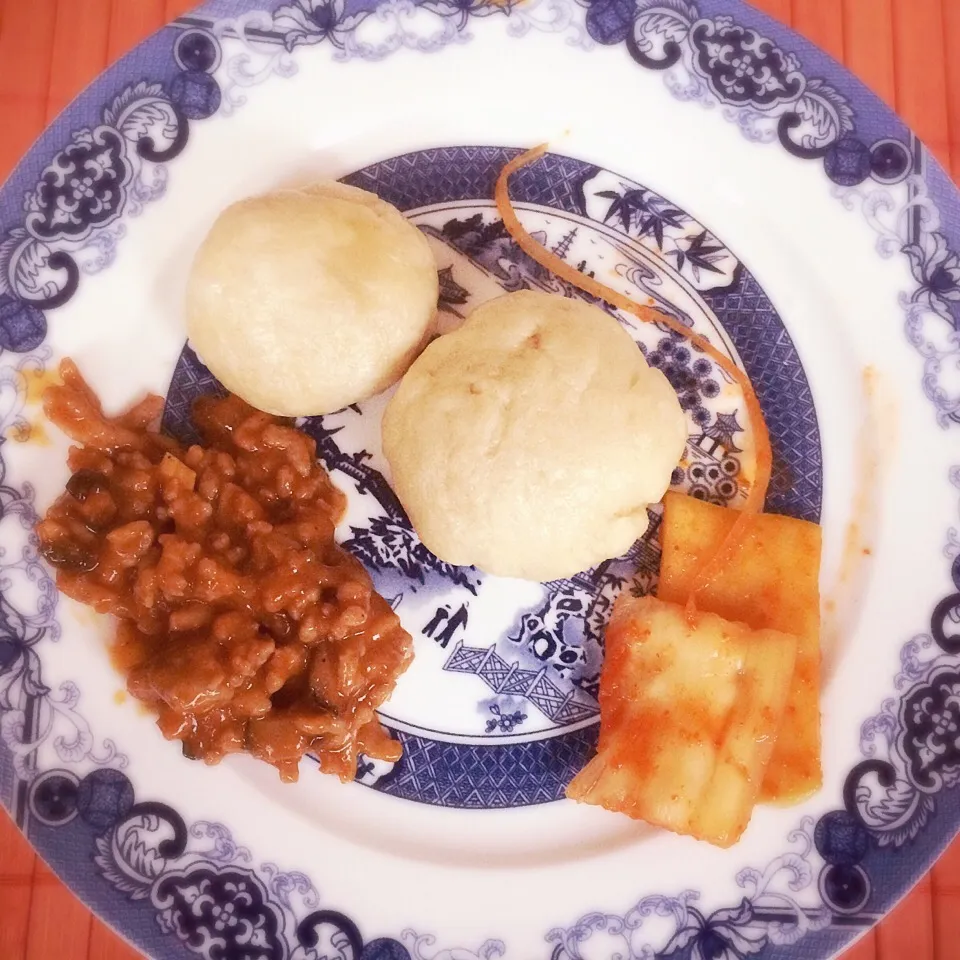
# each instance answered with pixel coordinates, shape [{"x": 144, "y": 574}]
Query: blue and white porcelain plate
[{"x": 706, "y": 158}]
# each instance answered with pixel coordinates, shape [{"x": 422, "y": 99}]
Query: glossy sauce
[{"x": 243, "y": 625}]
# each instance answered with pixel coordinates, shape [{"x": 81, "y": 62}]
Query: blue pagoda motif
[{"x": 513, "y": 680}]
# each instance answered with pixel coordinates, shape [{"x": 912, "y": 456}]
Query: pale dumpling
[
  {"x": 530, "y": 441},
  {"x": 305, "y": 301}
]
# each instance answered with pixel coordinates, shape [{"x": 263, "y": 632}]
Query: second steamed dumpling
[
  {"x": 529, "y": 442},
  {"x": 305, "y": 301}
]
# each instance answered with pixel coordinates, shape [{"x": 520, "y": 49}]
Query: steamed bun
[
  {"x": 529, "y": 442},
  {"x": 305, "y": 301}
]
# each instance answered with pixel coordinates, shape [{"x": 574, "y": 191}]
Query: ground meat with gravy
[{"x": 242, "y": 623}]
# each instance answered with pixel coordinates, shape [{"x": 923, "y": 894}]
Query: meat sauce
[{"x": 242, "y": 623}]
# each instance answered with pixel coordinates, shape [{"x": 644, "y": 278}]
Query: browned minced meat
[{"x": 242, "y": 623}]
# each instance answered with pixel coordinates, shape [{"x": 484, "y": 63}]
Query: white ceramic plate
[{"x": 707, "y": 158}]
